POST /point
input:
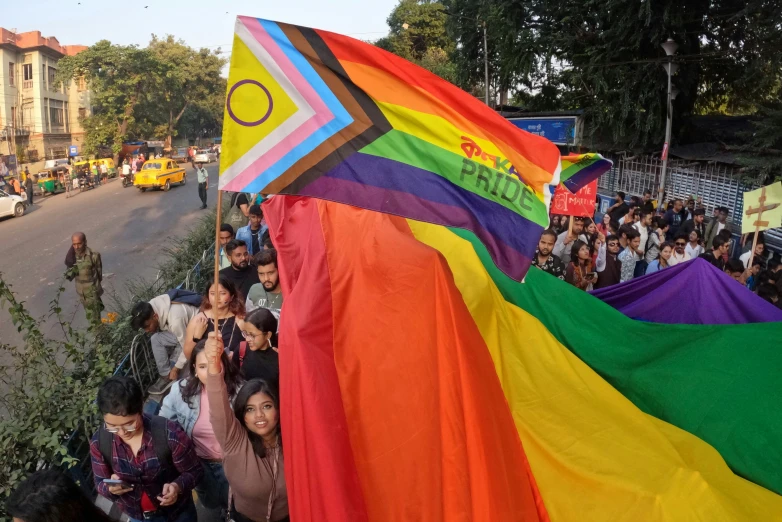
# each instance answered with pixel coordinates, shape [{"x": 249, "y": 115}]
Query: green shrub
[{"x": 48, "y": 386}]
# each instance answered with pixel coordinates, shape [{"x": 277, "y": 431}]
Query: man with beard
[
  {"x": 679, "y": 255},
  {"x": 565, "y": 240},
  {"x": 608, "y": 266},
  {"x": 675, "y": 217},
  {"x": 85, "y": 266},
  {"x": 696, "y": 223},
  {"x": 240, "y": 273},
  {"x": 544, "y": 259},
  {"x": 266, "y": 294}
]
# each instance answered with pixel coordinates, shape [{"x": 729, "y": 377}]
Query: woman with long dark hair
[
  {"x": 188, "y": 404},
  {"x": 663, "y": 256},
  {"x": 251, "y": 442},
  {"x": 224, "y": 305},
  {"x": 579, "y": 271},
  {"x": 257, "y": 357},
  {"x": 51, "y": 496}
]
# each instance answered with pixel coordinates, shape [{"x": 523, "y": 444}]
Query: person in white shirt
[
  {"x": 679, "y": 254},
  {"x": 565, "y": 240},
  {"x": 694, "y": 248},
  {"x": 760, "y": 248},
  {"x": 643, "y": 227}
]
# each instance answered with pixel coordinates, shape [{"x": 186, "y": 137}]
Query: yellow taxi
[{"x": 159, "y": 173}]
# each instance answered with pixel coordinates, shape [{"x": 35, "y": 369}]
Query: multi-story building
[{"x": 38, "y": 117}]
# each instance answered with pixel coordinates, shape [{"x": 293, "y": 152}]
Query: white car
[
  {"x": 11, "y": 205},
  {"x": 204, "y": 156}
]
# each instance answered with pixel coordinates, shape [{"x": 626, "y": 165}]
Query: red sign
[{"x": 580, "y": 204}]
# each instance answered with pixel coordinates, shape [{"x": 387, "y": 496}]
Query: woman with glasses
[
  {"x": 663, "y": 259},
  {"x": 257, "y": 357},
  {"x": 146, "y": 465},
  {"x": 224, "y": 305},
  {"x": 251, "y": 442},
  {"x": 188, "y": 404}
]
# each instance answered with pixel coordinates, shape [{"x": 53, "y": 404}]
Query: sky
[{"x": 200, "y": 23}]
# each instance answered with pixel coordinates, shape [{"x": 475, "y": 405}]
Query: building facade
[{"x": 39, "y": 119}]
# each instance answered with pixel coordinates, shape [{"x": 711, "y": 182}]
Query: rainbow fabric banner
[
  {"x": 314, "y": 113},
  {"x": 450, "y": 392},
  {"x": 579, "y": 170}
]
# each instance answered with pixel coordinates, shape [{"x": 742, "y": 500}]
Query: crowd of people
[{"x": 634, "y": 238}]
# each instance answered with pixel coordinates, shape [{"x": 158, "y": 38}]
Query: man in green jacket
[{"x": 85, "y": 266}]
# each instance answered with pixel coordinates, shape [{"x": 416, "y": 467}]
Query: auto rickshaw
[
  {"x": 159, "y": 173},
  {"x": 87, "y": 166},
  {"x": 49, "y": 180}
]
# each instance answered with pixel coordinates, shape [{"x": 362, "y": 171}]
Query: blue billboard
[{"x": 561, "y": 131}]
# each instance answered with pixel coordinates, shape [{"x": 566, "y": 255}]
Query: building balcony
[{"x": 27, "y": 84}]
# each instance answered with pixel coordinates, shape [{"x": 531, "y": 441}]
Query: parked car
[
  {"x": 11, "y": 205},
  {"x": 159, "y": 173},
  {"x": 205, "y": 156}
]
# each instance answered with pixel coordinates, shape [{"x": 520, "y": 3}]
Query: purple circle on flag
[{"x": 249, "y": 123}]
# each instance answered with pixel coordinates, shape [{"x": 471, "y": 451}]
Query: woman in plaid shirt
[{"x": 151, "y": 490}]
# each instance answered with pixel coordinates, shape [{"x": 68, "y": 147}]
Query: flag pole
[{"x": 217, "y": 250}]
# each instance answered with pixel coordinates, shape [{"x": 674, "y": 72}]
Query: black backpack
[{"x": 159, "y": 441}]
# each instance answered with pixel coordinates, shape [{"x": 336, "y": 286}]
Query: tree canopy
[
  {"x": 604, "y": 57},
  {"x": 141, "y": 93}
]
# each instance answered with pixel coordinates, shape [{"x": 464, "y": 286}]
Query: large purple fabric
[{"x": 695, "y": 292}]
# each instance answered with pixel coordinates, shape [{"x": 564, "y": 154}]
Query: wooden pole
[
  {"x": 570, "y": 225},
  {"x": 217, "y": 250}
]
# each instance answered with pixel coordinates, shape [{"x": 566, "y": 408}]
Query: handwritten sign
[
  {"x": 762, "y": 209},
  {"x": 580, "y": 204}
]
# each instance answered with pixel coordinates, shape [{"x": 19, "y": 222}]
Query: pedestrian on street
[
  {"x": 14, "y": 187},
  {"x": 203, "y": 183},
  {"x": 95, "y": 173},
  {"x": 104, "y": 171},
  {"x": 28, "y": 187},
  {"x": 85, "y": 266}
]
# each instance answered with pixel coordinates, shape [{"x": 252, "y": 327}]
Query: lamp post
[
  {"x": 669, "y": 46},
  {"x": 486, "y": 65}
]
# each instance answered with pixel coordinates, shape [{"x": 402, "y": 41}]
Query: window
[
  {"x": 52, "y": 74},
  {"x": 56, "y": 116},
  {"x": 81, "y": 84},
  {"x": 13, "y": 116},
  {"x": 82, "y": 113},
  {"x": 11, "y": 76},
  {"x": 27, "y": 72},
  {"x": 27, "y": 115}
]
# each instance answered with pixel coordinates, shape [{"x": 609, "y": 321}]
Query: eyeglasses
[
  {"x": 680, "y": 244},
  {"x": 249, "y": 336},
  {"x": 127, "y": 428}
]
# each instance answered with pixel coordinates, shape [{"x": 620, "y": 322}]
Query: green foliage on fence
[{"x": 48, "y": 385}]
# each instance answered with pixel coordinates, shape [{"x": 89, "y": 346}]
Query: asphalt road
[{"x": 128, "y": 227}]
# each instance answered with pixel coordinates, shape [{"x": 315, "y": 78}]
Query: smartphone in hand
[{"x": 117, "y": 482}]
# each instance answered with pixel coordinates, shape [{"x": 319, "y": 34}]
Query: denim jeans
[
  {"x": 213, "y": 489},
  {"x": 188, "y": 515}
]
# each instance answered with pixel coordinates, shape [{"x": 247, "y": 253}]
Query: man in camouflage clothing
[{"x": 85, "y": 266}]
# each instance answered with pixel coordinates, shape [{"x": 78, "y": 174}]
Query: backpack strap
[
  {"x": 105, "y": 444},
  {"x": 242, "y": 351},
  {"x": 160, "y": 442}
]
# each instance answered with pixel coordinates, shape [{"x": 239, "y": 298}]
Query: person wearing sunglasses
[
  {"x": 145, "y": 464},
  {"x": 679, "y": 254}
]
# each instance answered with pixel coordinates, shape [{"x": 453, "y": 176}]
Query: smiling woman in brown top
[{"x": 251, "y": 443}]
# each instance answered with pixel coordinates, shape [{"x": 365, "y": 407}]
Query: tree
[
  {"x": 184, "y": 77},
  {"x": 204, "y": 117},
  {"x": 117, "y": 76},
  {"x": 418, "y": 34},
  {"x": 605, "y": 58}
]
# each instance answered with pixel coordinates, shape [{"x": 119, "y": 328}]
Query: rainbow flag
[
  {"x": 579, "y": 170},
  {"x": 314, "y": 113},
  {"x": 419, "y": 383}
]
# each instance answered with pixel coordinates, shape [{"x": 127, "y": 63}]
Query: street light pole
[
  {"x": 486, "y": 64},
  {"x": 670, "y": 47}
]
